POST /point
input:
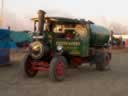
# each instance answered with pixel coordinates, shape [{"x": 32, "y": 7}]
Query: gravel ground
[{"x": 84, "y": 82}]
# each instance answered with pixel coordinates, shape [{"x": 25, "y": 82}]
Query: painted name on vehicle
[{"x": 65, "y": 43}]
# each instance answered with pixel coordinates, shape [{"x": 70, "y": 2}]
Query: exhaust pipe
[{"x": 41, "y": 18}]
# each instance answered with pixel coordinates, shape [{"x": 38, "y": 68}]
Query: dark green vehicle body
[
  {"x": 74, "y": 47},
  {"x": 94, "y": 36}
]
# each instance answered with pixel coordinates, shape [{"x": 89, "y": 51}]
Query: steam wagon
[{"x": 61, "y": 43}]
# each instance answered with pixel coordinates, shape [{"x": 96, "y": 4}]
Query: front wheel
[
  {"x": 28, "y": 67},
  {"x": 57, "y": 68}
]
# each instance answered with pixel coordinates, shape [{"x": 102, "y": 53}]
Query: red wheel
[
  {"x": 28, "y": 67},
  {"x": 60, "y": 68},
  {"x": 57, "y": 68}
]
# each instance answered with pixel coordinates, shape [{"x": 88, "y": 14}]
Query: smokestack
[{"x": 41, "y": 18}]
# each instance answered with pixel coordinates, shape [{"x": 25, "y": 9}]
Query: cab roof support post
[{"x": 35, "y": 26}]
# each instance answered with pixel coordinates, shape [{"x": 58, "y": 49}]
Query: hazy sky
[{"x": 101, "y": 11}]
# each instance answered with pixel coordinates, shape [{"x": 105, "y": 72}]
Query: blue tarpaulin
[
  {"x": 4, "y": 46},
  {"x": 8, "y": 39},
  {"x": 4, "y": 56},
  {"x": 4, "y": 34},
  {"x": 20, "y": 36},
  {"x": 5, "y": 40},
  {"x": 7, "y": 44}
]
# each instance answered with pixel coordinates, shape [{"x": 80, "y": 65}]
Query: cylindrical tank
[{"x": 98, "y": 35}]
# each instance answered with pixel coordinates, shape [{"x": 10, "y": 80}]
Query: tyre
[
  {"x": 29, "y": 72},
  {"x": 57, "y": 68},
  {"x": 102, "y": 61}
]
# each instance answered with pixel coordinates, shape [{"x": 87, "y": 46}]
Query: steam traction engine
[{"x": 64, "y": 42}]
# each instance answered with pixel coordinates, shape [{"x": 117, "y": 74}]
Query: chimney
[{"x": 41, "y": 18}]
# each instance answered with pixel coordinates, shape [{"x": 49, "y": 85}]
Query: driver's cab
[
  {"x": 72, "y": 34},
  {"x": 65, "y": 28}
]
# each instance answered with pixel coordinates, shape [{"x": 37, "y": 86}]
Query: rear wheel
[
  {"x": 57, "y": 68},
  {"x": 102, "y": 61},
  {"x": 28, "y": 67}
]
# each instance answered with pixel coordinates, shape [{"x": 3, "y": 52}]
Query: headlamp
[{"x": 59, "y": 48}]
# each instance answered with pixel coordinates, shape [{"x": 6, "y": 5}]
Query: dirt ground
[{"x": 83, "y": 82}]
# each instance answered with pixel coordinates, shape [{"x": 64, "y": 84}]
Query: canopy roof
[{"x": 59, "y": 20}]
